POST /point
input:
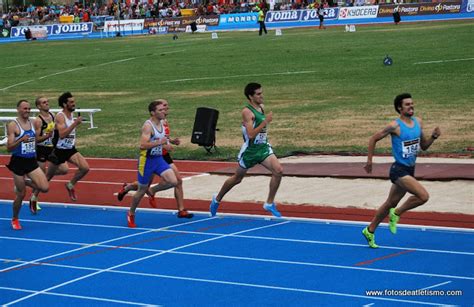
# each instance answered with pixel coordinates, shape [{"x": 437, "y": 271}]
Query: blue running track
[{"x": 88, "y": 256}]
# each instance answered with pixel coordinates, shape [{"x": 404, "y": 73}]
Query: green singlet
[{"x": 255, "y": 150}]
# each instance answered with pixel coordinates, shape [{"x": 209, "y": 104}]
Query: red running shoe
[
  {"x": 121, "y": 194},
  {"x": 16, "y": 224},
  {"x": 131, "y": 220},
  {"x": 184, "y": 214},
  {"x": 72, "y": 192},
  {"x": 33, "y": 207},
  {"x": 152, "y": 201}
]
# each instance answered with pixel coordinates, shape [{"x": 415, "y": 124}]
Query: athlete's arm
[
  {"x": 426, "y": 141},
  {"x": 12, "y": 132},
  {"x": 247, "y": 120},
  {"x": 145, "y": 137},
  {"x": 37, "y": 125},
  {"x": 61, "y": 125},
  {"x": 391, "y": 128}
]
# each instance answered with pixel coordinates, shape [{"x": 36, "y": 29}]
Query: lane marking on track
[
  {"x": 437, "y": 285},
  {"x": 443, "y": 61},
  {"x": 90, "y": 298},
  {"x": 109, "y": 269},
  {"x": 108, "y": 182}
]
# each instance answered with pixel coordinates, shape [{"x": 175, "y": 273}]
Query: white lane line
[
  {"x": 103, "y": 242},
  {"x": 14, "y": 85},
  {"x": 240, "y": 76},
  {"x": 118, "y": 170},
  {"x": 310, "y": 264},
  {"x": 140, "y": 259},
  {"x": 108, "y": 182},
  {"x": 117, "y": 61},
  {"x": 443, "y": 61},
  {"x": 238, "y": 284},
  {"x": 437, "y": 285},
  {"x": 62, "y": 72},
  {"x": 16, "y": 66},
  {"x": 90, "y": 298},
  {"x": 66, "y": 71}
]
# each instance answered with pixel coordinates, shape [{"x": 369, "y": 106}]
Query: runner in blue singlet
[
  {"x": 22, "y": 144},
  {"x": 407, "y": 140}
]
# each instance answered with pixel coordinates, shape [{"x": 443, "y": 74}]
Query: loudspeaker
[{"x": 204, "y": 131}]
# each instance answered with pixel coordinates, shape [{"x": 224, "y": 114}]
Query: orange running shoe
[
  {"x": 33, "y": 207},
  {"x": 121, "y": 194},
  {"x": 184, "y": 214},
  {"x": 131, "y": 220},
  {"x": 152, "y": 201},
  {"x": 16, "y": 224},
  {"x": 71, "y": 191}
]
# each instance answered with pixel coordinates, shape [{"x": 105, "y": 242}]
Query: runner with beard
[{"x": 408, "y": 139}]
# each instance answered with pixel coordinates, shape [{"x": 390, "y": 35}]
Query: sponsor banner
[
  {"x": 300, "y": 15},
  {"x": 420, "y": 9},
  {"x": 467, "y": 6},
  {"x": 179, "y": 24},
  {"x": 124, "y": 25},
  {"x": 358, "y": 12},
  {"x": 238, "y": 19},
  {"x": 56, "y": 29},
  {"x": 100, "y": 20}
]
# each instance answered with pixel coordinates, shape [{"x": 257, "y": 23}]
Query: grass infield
[{"x": 329, "y": 90}]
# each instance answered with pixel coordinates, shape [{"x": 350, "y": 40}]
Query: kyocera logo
[{"x": 343, "y": 13}]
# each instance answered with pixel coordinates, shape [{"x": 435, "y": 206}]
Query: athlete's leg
[
  {"x": 272, "y": 164},
  {"x": 231, "y": 182},
  {"x": 83, "y": 167},
  {"x": 413, "y": 186},
  {"x": 395, "y": 195},
  {"x": 20, "y": 191},
  {"x": 178, "y": 190}
]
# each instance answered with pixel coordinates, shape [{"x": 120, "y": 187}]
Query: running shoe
[
  {"x": 16, "y": 224},
  {"x": 394, "y": 218},
  {"x": 131, "y": 220},
  {"x": 33, "y": 206},
  {"x": 71, "y": 191},
  {"x": 152, "y": 201},
  {"x": 272, "y": 209},
  {"x": 121, "y": 194},
  {"x": 214, "y": 205},
  {"x": 370, "y": 237},
  {"x": 184, "y": 214},
  {"x": 38, "y": 208}
]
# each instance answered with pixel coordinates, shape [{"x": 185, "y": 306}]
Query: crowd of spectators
[{"x": 37, "y": 15}]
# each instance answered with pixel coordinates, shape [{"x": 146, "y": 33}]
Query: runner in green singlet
[{"x": 255, "y": 150}]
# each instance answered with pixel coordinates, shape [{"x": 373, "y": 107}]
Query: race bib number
[
  {"x": 156, "y": 151},
  {"x": 69, "y": 141},
  {"x": 261, "y": 138},
  {"x": 28, "y": 147},
  {"x": 410, "y": 148}
]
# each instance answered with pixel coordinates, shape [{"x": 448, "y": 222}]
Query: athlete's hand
[
  {"x": 368, "y": 167},
  {"x": 436, "y": 132},
  {"x": 175, "y": 141},
  {"x": 24, "y": 138},
  {"x": 269, "y": 117},
  {"x": 78, "y": 121}
]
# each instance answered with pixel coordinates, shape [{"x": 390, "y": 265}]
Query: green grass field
[{"x": 328, "y": 90}]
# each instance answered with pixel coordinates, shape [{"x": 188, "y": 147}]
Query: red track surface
[{"x": 107, "y": 175}]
